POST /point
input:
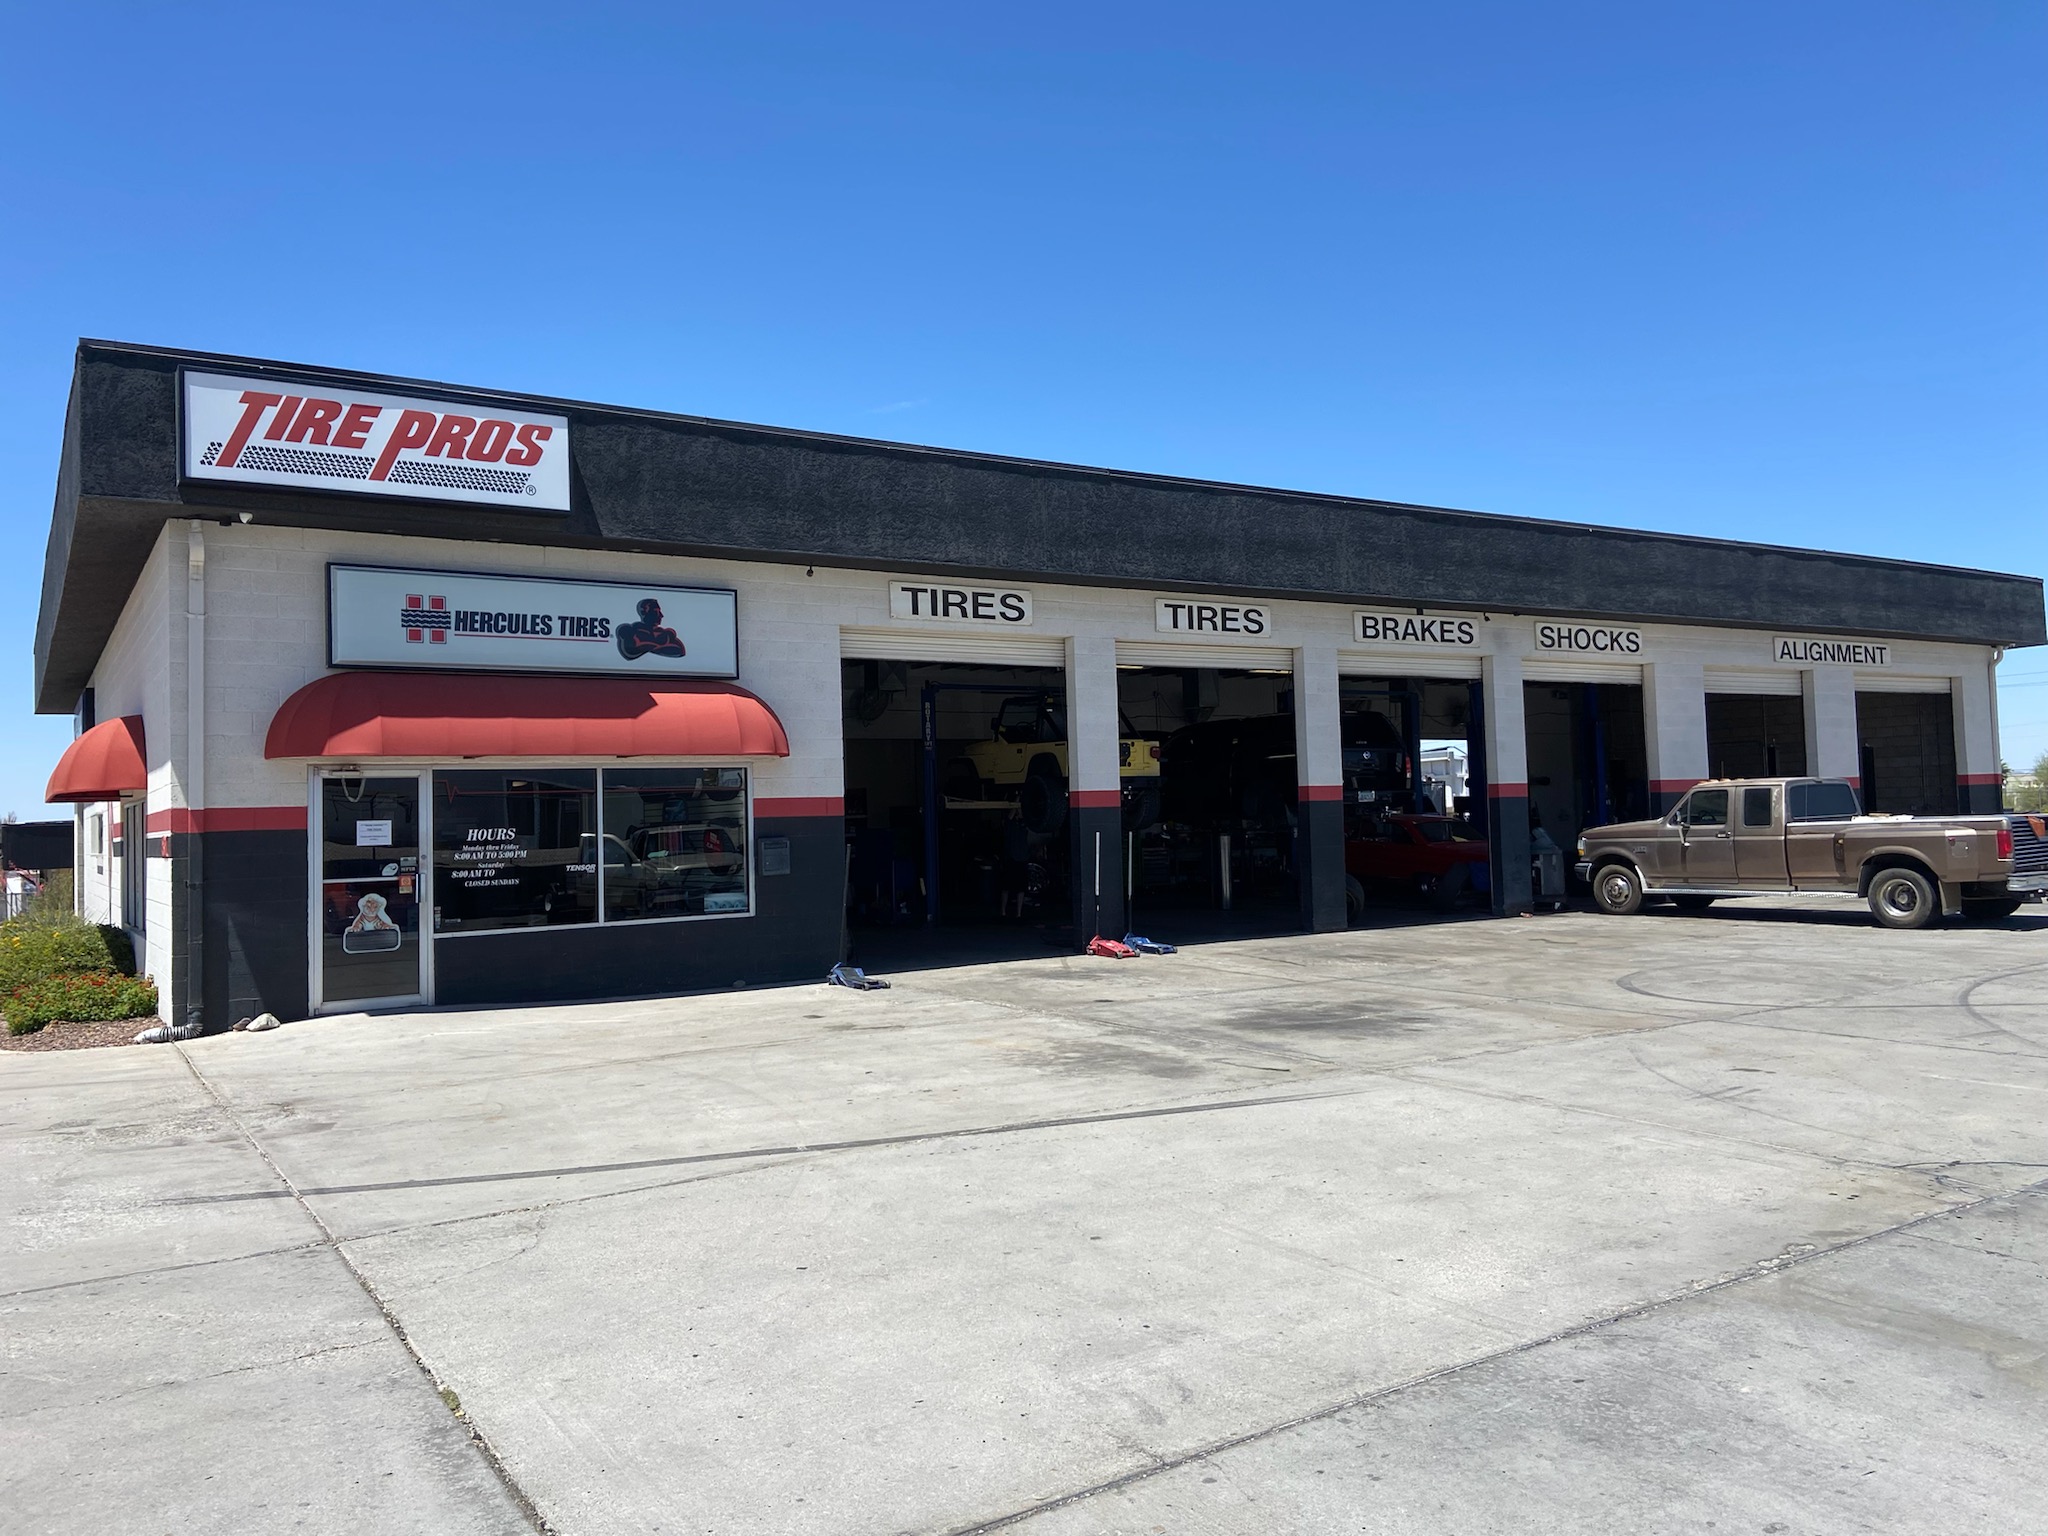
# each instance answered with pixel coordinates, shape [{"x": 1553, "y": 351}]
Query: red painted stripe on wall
[
  {"x": 231, "y": 818},
  {"x": 1673, "y": 786},
  {"x": 1095, "y": 799},
  {"x": 1313, "y": 793},
  {"x": 1507, "y": 791},
  {"x": 1980, "y": 778},
  {"x": 799, "y": 805}
]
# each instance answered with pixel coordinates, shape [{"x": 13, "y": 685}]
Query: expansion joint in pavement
[
  {"x": 328, "y": 1239},
  {"x": 1761, "y": 1271}
]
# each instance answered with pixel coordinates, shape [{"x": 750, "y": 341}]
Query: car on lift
[
  {"x": 1435, "y": 858},
  {"x": 1026, "y": 760},
  {"x": 1218, "y": 772}
]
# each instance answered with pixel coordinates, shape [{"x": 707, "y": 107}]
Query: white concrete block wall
[
  {"x": 1976, "y": 720},
  {"x": 1318, "y": 736},
  {"x": 1094, "y": 731},
  {"x": 265, "y": 597},
  {"x": 141, "y": 672},
  {"x": 1674, "y": 727},
  {"x": 1831, "y": 742}
]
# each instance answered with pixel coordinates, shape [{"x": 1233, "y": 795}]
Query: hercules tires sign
[
  {"x": 464, "y": 621},
  {"x": 316, "y": 438}
]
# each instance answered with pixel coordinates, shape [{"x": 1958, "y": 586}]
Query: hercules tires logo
[{"x": 262, "y": 432}]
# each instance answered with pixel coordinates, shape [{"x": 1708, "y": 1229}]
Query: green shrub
[
  {"x": 32, "y": 948},
  {"x": 77, "y": 996},
  {"x": 120, "y": 948}
]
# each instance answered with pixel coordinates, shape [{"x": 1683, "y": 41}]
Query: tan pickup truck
[{"x": 1747, "y": 837}]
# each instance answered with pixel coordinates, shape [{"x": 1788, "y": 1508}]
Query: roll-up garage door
[
  {"x": 1150, "y": 653},
  {"x": 1772, "y": 681},
  {"x": 1553, "y": 670},
  {"x": 1885, "y": 682},
  {"x": 974, "y": 649},
  {"x": 1406, "y": 664}
]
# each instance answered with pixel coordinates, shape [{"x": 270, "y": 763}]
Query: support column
[
  {"x": 1095, "y": 787},
  {"x": 1831, "y": 745},
  {"x": 1507, "y": 784},
  {"x": 1674, "y": 729},
  {"x": 1319, "y": 789},
  {"x": 1980, "y": 787}
]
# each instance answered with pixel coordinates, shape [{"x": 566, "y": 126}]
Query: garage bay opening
[
  {"x": 1589, "y": 766},
  {"x": 956, "y": 810},
  {"x": 1212, "y": 851},
  {"x": 1415, "y": 843}
]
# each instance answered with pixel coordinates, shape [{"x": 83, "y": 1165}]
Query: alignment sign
[{"x": 268, "y": 432}]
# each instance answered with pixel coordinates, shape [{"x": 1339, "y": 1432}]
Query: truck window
[
  {"x": 1828, "y": 800},
  {"x": 1756, "y": 807},
  {"x": 1707, "y": 808}
]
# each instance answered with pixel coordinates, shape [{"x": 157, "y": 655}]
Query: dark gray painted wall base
[
  {"x": 1507, "y": 831},
  {"x": 1320, "y": 850},
  {"x": 793, "y": 936},
  {"x": 1100, "y": 827}
]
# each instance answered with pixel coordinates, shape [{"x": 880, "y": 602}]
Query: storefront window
[
  {"x": 675, "y": 842},
  {"x": 514, "y": 848}
]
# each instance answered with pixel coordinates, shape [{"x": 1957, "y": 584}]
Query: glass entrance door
[{"x": 369, "y": 936}]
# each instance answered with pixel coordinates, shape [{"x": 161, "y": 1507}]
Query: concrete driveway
[{"x": 1729, "y": 1223}]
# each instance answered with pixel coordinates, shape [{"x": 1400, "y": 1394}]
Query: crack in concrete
[
  {"x": 1765, "y": 1269},
  {"x": 440, "y": 1388},
  {"x": 187, "y": 1381}
]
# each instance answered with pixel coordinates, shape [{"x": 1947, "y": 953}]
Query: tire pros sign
[{"x": 313, "y": 437}]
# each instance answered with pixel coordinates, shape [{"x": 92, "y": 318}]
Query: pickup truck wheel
[
  {"x": 1692, "y": 903},
  {"x": 1618, "y": 889},
  {"x": 1989, "y": 909},
  {"x": 1354, "y": 898},
  {"x": 1902, "y": 898}
]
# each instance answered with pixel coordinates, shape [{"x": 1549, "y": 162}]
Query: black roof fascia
[{"x": 664, "y": 483}]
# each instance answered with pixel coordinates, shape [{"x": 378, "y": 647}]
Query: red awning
[
  {"x": 104, "y": 763},
  {"x": 440, "y": 714}
]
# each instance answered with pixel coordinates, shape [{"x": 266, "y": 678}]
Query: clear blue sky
[{"x": 1764, "y": 271}]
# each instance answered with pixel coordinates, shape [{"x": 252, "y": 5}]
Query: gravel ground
[{"x": 67, "y": 1036}]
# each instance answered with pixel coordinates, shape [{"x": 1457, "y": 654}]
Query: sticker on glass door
[{"x": 369, "y": 889}]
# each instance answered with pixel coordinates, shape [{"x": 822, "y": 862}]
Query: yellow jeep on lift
[{"x": 1026, "y": 761}]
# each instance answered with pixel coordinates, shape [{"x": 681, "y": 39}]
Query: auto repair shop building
[{"x": 390, "y": 691}]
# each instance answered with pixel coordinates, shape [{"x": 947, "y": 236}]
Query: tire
[
  {"x": 1445, "y": 890},
  {"x": 1692, "y": 903},
  {"x": 1141, "y": 807},
  {"x": 1354, "y": 899},
  {"x": 1903, "y": 898},
  {"x": 1989, "y": 909},
  {"x": 1618, "y": 890},
  {"x": 1043, "y": 801}
]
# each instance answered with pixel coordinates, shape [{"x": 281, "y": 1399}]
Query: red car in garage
[{"x": 1435, "y": 857}]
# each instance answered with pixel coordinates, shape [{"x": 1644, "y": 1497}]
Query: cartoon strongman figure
[{"x": 649, "y": 636}]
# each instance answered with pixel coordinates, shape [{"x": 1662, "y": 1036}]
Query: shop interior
[
  {"x": 1413, "y": 843},
  {"x": 1589, "y": 764},
  {"x": 1755, "y": 736},
  {"x": 1906, "y": 744},
  {"x": 1211, "y": 850},
  {"x": 955, "y": 809}
]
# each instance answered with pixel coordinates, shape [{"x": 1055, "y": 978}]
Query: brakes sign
[{"x": 273, "y": 432}]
